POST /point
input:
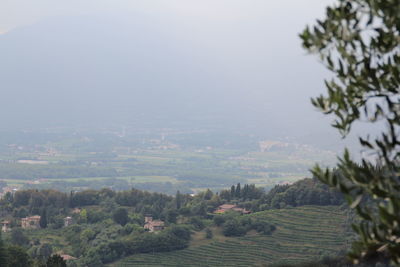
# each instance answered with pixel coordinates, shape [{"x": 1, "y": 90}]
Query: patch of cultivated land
[
  {"x": 200, "y": 169},
  {"x": 303, "y": 233}
]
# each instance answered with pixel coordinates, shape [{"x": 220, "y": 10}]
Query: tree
[
  {"x": 56, "y": 261},
  {"x": 178, "y": 199},
  {"x": 17, "y": 257},
  {"x": 18, "y": 237},
  {"x": 171, "y": 215},
  {"x": 43, "y": 252},
  {"x": 21, "y": 198},
  {"x": 209, "y": 233},
  {"x": 179, "y": 231},
  {"x": 121, "y": 216},
  {"x": 225, "y": 195},
  {"x": 219, "y": 220},
  {"x": 359, "y": 42},
  {"x": 233, "y": 227},
  {"x": 208, "y": 194},
  {"x": 83, "y": 218},
  {"x": 43, "y": 219},
  {"x": 3, "y": 253},
  {"x": 197, "y": 223},
  {"x": 87, "y": 235},
  {"x": 233, "y": 191},
  {"x": 238, "y": 191}
]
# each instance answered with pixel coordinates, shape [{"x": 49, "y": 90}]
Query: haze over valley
[{"x": 182, "y": 133}]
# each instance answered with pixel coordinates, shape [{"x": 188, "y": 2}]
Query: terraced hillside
[{"x": 303, "y": 233}]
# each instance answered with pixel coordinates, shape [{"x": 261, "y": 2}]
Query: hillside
[{"x": 303, "y": 233}]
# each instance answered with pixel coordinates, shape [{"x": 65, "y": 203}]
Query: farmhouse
[
  {"x": 151, "y": 225},
  {"x": 30, "y": 222},
  {"x": 68, "y": 221},
  {"x": 5, "y": 226},
  {"x": 227, "y": 207}
]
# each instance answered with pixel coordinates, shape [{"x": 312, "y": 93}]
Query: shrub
[{"x": 233, "y": 227}]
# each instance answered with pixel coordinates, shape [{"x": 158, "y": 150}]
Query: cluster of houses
[{"x": 32, "y": 222}]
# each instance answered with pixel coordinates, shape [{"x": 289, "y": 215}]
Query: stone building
[
  {"x": 68, "y": 221},
  {"x": 5, "y": 226},
  {"x": 31, "y": 222},
  {"x": 151, "y": 225}
]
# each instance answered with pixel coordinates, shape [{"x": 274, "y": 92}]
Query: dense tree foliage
[
  {"x": 248, "y": 192},
  {"x": 359, "y": 41},
  {"x": 17, "y": 257},
  {"x": 18, "y": 237},
  {"x": 120, "y": 216},
  {"x": 3, "y": 252},
  {"x": 303, "y": 192},
  {"x": 42, "y": 252},
  {"x": 56, "y": 261},
  {"x": 13, "y": 255},
  {"x": 209, "y": 233},
  {"x": 43, "y": 219},
  {"x": 235, "y": 225}
]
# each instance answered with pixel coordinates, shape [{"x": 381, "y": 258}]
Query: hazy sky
[
  {"x": 16, "y": 13},
  {"x": 239, "y": 61}
]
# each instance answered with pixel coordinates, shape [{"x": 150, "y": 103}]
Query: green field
[
  {"x": 146, "y": 161},
  {"x": 302, "y": 234}
]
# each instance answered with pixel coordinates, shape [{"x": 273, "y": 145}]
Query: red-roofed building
[
  {"x": 67, "y": 257},
  {"x": 227, "y": 207},
  {"x": 31, "y": 222},
  {"x": 153, "y": 226}
]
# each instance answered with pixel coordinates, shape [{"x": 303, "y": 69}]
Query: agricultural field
[
  {"x": 302, "y": 234},
  {"x": 163, "y": 164}
]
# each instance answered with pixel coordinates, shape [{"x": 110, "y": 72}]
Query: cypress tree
[
  {"x": 43, "y": 219},
  {"x": 233, "y": 191},
  {"x": 178, "y": 200},
  {"x": 238, "y": 191},
  {"x": 245, "y": 191}
]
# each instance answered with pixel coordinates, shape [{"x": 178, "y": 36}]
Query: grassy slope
[{"x": 302, "y": 233}]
